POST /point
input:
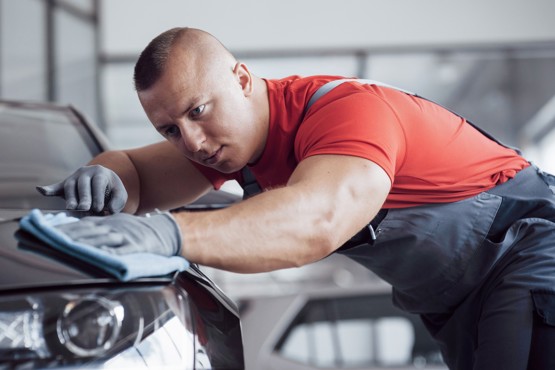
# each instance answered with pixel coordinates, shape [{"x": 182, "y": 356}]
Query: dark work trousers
[{"x": 480, "y": 272}]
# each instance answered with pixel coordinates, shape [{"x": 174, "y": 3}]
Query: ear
[{"x": 244, "y": 78}]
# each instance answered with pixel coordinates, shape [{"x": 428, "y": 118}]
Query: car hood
[
  {"x": 11, "y": 214},
  {"x": 26, "y": 262}
]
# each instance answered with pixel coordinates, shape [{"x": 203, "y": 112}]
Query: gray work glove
[
  {"x": 123, "y": 233},
  {"x": 93, "y": 188}
]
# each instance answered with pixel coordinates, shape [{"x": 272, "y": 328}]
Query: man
[{"x": 461, "y": 226}]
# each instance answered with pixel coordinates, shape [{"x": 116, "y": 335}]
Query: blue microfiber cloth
[{"x": 123, "y": 267}]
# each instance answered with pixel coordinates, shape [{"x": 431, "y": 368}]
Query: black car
[{"x": 58, "y": 312}]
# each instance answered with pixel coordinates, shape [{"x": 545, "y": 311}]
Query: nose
[{"x": 192, "y": 137}]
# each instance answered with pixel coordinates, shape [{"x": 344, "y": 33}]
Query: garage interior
[{"x": 492, "y": 62}]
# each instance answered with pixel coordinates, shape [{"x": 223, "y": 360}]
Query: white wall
[
  {"x": 318, "y": 25},
  {"x": 244, "y": 25}
]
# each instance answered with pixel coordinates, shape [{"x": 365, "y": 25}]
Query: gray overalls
[{"x": 480, "y": 272}]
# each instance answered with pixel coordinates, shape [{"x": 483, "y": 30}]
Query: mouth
[{"x": 214, "y": 158}]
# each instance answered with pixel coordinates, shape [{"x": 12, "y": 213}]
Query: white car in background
[{"x": 355, "y": 328}]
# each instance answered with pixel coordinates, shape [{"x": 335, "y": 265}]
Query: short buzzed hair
[{"x": 152, "y": 61}]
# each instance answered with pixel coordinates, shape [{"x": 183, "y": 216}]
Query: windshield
[{"x": 39, "y": 146}]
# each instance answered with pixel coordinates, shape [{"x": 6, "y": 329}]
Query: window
[
  {"x": 76, "y": 63},
  {"x": 22, "y": 50}
]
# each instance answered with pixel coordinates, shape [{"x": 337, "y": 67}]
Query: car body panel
[
  {"x": 30, "y": 268},
  {"x": 25, "y": 262}
]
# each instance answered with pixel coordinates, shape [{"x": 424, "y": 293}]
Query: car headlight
[
  {"x": 90, "y": 326},
  {"x": 86, "y": 326},
  {"x": 21, "y": 329}
]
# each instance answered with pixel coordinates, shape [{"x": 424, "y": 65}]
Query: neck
[
  {"x": 261, "y": 99},
  {"x": 262, "y": 109}
]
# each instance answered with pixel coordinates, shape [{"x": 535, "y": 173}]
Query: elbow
[
  {"x": 327, "y": 243},
  {"x": 321, "y": 242},
  {"x": 328, "y": 231},
  {"x": 315, "y": 250}
]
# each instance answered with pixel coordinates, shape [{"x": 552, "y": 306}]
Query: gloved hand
[
  {"x": 124, "y": 233},
  {"x": 90, "y": 188}
]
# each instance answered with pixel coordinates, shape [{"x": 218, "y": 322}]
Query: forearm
[
  {"x": 165, "y": 178},
  {"x": 247, "y": 237},
  {"x": 155, "y": 176},
  {"x": 285, "y": 227}
]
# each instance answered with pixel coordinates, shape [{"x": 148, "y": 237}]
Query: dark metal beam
[
  {"x": 125, "y": 58},
  {"x": 76, "y": 11},
  {"x": 101, "y": 114},
  {"x": 1, "y": 49},
  {"x": 50, "y": 50},
  {"x": 362, "y": 62},
  {"x": 543, "y": 122}
]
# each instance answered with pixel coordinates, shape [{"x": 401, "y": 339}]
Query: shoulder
[
  {"x": 353, "y": 101},
  {"x": 296, "y": 89},
  {"x": 353, "y": 90},
  {"x": 354, "y": 120}
]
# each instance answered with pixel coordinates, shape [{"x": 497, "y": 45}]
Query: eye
[
  {"x": 197, "y": 111},
  {"x": 171, "y": 131}
]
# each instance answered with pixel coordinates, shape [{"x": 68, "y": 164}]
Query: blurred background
[{"x": 491, "y": 61}]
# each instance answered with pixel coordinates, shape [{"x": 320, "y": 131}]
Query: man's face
[{"x": 205, "y": 111}]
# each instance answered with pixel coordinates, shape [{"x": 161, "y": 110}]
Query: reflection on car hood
[
  {"x": 26, "y": 262},
  {"x": 10, "y": 214}
]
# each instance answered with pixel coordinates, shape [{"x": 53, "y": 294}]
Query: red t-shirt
[{"x": 430, "y": 154}]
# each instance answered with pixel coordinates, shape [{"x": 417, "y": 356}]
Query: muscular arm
[
  {"x": 327, "y": 200},
  {"x": 155, "y": 176}
]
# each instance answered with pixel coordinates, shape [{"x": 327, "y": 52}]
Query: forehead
[
  {"x": 183, "y": 73},
  {"x": 180, "y": 82},
  {"x": 189, "y": 74}
]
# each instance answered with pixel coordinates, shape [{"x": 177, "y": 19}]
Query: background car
[
  {"x": 352, "y": 327},
  {"x": 58, "y": 312}
]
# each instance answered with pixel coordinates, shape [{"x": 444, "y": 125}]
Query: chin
[{"x": 228, "y": 167}]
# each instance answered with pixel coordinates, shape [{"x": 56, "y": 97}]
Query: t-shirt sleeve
[{"x": 359, "y": 124}]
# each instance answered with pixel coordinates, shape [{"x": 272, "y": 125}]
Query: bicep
[
  {"x": 348, "y": 190},
  {"x": 166, "y": 178}
]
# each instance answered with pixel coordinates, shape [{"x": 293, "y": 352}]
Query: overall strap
[
  {"x": 250, "y": 185},
  {"x": 327, "y": 87}
]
